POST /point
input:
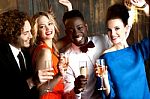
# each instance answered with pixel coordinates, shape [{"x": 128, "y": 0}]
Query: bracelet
[{"x": 143, "y": 6}]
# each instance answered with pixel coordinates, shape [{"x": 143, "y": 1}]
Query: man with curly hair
[{"x": 15, "y": 34}]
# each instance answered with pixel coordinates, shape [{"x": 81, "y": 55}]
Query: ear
[
  {"x": 127, "y": 31},
  {"x": 86, "y": 26}
]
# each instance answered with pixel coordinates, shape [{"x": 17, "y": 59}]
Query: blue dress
[{"x": 126, "y": 72}]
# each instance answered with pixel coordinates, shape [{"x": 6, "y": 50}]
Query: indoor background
[{"x": 94, "y": 12}]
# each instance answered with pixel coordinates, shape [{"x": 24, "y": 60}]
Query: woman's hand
[
  {"x": 66, "y": 3},
  {"x": 45, "y": 75},
  {"x": 138, "y": 3},
  {"x": 105, "y": 78},
  {"x": 105, "y": 73}
]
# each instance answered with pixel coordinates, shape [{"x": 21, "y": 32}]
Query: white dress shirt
[
  {"x": 75, "y": 55},
  {"x": 15, "y": 52}
]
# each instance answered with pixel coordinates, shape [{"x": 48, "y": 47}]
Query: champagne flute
[
  {"x": 101, "y": 68},
  {"x": 64, "y": 58},
  {"x": 83, "y": 70},
  {"x": 48, "y": 65}
]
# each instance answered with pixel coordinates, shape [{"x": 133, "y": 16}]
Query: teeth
[
  {"x": 79, "y": 38},
  {"x": 114, "y": 38},
  {"x": 50, "y": 32}
]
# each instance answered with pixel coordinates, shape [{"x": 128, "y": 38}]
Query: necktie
[
  {"x": 22, "y": 64},
  {"x": 85, "y": 47}
]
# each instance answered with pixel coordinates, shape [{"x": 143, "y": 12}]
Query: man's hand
[{"x": 80, "y": 83}]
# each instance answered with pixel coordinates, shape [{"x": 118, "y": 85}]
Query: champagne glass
[
  {"x": 48, "y": 66},
  {"x": 101, "y": 68},
  {"x": 64, "y": 58},
  {"x": 83, "y": 69}
]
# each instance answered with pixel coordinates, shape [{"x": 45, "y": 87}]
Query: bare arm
[
  {"x": 45, "y": 74},
  {"x": 63, "y": 42},
  {"x": 66, "y": 3},
  {"x": 141, "y": 4}
]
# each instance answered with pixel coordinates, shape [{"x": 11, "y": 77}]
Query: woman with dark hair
[{"x": 126, "y": 76}]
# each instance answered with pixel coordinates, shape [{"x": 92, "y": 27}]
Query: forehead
[
  {"x": 42, "y": 19},
  {"x": 26, "y": 26},
  {"x": 74, "y": 21},
  {"x": 114, "y": 22}
]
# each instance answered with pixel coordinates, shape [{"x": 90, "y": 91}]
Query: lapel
[
  {"x": 28, "y": 61},
  {"x": 10, "y": 59},
  {"x": 11, "y": 65}
]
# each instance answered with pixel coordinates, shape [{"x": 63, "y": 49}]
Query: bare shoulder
[
  {"x": 42, "y": 55},
  {"x": 106, "y": 51},
  {"x": 109, "y": 50},
  {"x": 44, "y": 52}
]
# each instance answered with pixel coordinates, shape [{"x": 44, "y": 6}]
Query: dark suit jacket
[{"x": 12, "y": 83}]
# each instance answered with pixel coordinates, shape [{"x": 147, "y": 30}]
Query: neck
[
  {"x": 120, "y": 46},
  {"x": 48, "y": 43},
  {"x": 16, "y": 46}
]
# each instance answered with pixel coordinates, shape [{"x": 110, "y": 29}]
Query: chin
[
  {"x": 115, "y": 41},
  {"x": 80, "y": 43},
  {"x": 27, "y": 45}
]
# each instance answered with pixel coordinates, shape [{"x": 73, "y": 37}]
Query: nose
[
  {"x": 48, "y": 27},
  {"x": 113, "y": 32},
  {"x": 75, "y": 31},
  {"x": 30, "y": 35}
]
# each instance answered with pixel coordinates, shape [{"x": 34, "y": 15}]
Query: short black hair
[
  {"x": 72, "y": 14},
  {"x": 118, "y": 11}
]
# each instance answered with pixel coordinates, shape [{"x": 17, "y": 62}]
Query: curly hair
[{"x": 11, "y": 23}]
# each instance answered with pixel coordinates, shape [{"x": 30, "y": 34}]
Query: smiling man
[
  {"x": 83, "y": 48},
  {"x": 15, "y": 34}
]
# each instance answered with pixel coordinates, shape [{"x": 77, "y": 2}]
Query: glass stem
[{"x": 102, "y": 86}]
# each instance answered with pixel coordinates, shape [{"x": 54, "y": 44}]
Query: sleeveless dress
[{"x": 58, "y": 89}]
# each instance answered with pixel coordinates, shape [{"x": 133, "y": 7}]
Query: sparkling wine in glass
[
  {"x": 101, "y": 68},
  {"x": 64, "y": 58},
  {"x": 83, "y": 70},
  {"x": 48, "y": 65}
]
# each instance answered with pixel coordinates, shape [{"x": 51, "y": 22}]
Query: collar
[
  {"x": 15, "y": 50},
  {"x": 76, "y": 49}
]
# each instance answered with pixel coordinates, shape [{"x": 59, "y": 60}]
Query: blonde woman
[{"x": 45, "y": 30}]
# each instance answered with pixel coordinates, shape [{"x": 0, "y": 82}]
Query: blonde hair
[{"x": 34, "y": 24}]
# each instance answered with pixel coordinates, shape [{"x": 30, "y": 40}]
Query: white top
[{"x": 73, "y": 71}]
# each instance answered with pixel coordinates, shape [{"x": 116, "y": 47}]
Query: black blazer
[{"x": 12, "y": 83}]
